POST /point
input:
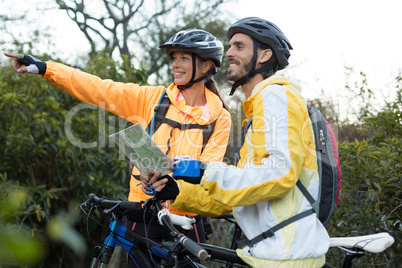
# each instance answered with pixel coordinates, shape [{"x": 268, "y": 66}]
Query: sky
[{"x": 326, "y": 36}]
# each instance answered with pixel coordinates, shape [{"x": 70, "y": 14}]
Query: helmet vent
[
  {"x": 197, "y": 39},
  {"x": 283, "y": 45},
  {"x": 258, "y": 26}
]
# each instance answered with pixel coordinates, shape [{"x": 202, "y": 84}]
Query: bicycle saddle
[{"x": 374, "y": 243}]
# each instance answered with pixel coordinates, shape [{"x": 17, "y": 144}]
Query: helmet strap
[
  {"x": 191, "y": 82},
  {"x": 252, "y": 71}
]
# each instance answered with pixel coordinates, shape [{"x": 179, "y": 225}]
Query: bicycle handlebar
[
  {"x": 186, "y": 242},
  {"x": 110, "y": 203},
  {"x": 164, "y": 218}
]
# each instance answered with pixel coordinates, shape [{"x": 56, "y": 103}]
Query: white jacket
[{"x": 279, "y": 149}]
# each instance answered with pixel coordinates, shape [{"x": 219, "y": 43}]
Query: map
[{"x": 141, "y": 150}]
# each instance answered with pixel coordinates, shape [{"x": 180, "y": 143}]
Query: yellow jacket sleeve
[
  {"x": 194, "y": 198},
  {"x": 272, "y": 157}
]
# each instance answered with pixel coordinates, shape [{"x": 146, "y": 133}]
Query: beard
[{"x": 233, "y": 76}]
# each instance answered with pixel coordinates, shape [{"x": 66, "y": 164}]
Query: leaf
[
  {"x": 59, "y": 228},
  {"x": 18, "y": 248}
]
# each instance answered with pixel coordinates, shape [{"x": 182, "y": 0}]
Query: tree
[{"x": 110, "y": 25}]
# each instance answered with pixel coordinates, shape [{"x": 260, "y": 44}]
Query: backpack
[
  {"x": 329, "y": 171},
  {"x": 329, "y": 168}
]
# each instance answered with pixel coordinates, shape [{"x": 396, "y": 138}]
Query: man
[{"x": 276, "y": 153}]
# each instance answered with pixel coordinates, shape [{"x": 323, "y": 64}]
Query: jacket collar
[
  {"x": 274, "y": 79},
  {"x": 214, "y": 105}
]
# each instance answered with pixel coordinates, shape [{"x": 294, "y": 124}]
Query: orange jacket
[{"x": 136, "y": 104}]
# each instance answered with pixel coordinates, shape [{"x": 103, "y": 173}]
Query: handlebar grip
[
  {"x": 130, "y": 205},
  {"x": 194, "y": 248},
  {"x": 122, "y": 204}
]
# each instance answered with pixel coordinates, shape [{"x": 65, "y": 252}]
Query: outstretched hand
[{"x": 27, "y": 64}]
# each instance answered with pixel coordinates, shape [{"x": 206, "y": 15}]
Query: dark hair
[
  {"x": 272, "y": 60},
  {"x": 211, "y": 85}
]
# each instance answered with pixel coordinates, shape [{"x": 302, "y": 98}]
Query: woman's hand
[
  {"x": 145, "y": 179},
  {"x": 154, "y": 180},
  {"x": 32, "y": 64}
]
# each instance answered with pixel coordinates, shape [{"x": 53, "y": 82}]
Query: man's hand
[
  {"x": 32, "y": 64},
  {"x": 189, "y": 170},
  {"x": 169, "y": 191},
  {"x": 164, "y": 188}
]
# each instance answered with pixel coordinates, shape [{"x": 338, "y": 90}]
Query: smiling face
[
  {"x": 240, "y": 55},
  {"x": 182, "y": 66}
]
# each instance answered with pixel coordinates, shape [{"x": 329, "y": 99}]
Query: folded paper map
[{"x": 141, "y": 150}]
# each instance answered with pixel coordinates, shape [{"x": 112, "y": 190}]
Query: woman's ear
[
  {"x": 265, "y": 55},
  {"x": 206, "y": 66}
]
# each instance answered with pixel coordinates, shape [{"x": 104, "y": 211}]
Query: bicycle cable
[
  {"x": 146, "y": 230},
  {"x": 87, "y": 223},
  {"x": 150, "y": 242}
]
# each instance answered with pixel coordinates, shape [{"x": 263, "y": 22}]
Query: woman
[{"x": 193, "y": 97}]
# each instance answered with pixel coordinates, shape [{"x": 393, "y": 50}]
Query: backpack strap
[
  {"x": 271, "y": 232},
  {"x": 314, "y": 203},
  {"x": 244, "y": 129},
  {"x": 160, "y": 113},
  {"x": 206, "y": 134},
  {"x": 160, "y": 118},
  {"x": 207, "y": 130}
]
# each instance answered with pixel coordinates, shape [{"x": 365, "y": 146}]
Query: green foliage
[
  {"x": 55, "y": 149},
  {"x": 17, "y": 245},
  {"x": 102, "y": 65},
  {"x": 371, "y": 199}
]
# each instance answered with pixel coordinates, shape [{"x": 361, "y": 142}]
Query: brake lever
[
  {"x": 88, "y": 202},
  {"x": 109, "y": 210}
]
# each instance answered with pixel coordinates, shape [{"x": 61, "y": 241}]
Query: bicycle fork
[
  {"x": 120, "y": 235},
  {"x": 102, "y": 255}
]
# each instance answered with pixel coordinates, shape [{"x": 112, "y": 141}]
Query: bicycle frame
[
  {"x": 174, "y": 253},
  {"x": 120, "y": 235}
]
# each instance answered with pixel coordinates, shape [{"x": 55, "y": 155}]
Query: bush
[
  {"x": 38, "y": 157},
  {"x": 371, "y": 198}
]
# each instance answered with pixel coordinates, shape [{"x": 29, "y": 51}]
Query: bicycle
[{"x": 179, "y": 251}]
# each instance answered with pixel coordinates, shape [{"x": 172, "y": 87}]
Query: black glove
[
  {"x": 34, "y": 66},
  {"x": 170, "y": 191}
]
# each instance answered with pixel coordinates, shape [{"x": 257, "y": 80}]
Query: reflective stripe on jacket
[
  {"x": 279, "y": 149},
  {"x": 136, "y": 104}
]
